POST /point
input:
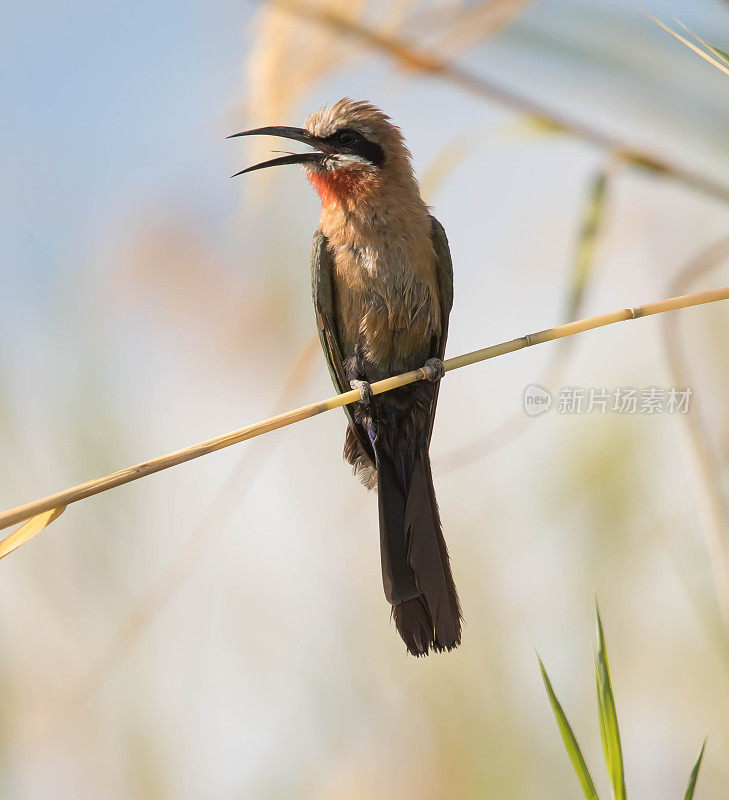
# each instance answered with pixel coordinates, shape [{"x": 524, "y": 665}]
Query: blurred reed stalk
[
  {"x": 592, "y": 226},
  {"x": 476, "y": 22},
  {"x": 31, "y": 511},
  {"x": 713, "y": 508},
  {"x": 287, "y": 58},
  {"x": 710, "y": 497},
  {"x": 410, "y": 56}
]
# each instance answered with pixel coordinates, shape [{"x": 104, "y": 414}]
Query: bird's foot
[
  {"x": 365, "y": 390},
  {"x": 434, "y": 369}
]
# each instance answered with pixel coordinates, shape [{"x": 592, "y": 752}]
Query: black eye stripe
[{"x": 356, "y": 144}]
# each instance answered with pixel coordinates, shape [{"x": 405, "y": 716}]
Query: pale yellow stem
[
  {"x": 61, "y": 499},
  {"x": 30, "y": 529}
]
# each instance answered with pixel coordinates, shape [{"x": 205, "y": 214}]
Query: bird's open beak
[{"x": 297, "y": 134}]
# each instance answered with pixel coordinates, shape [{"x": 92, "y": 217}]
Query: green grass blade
[
  {"x": 716, "y": 61},
  {"x": 568, "y": 737},
  {"x": 694, "y": 773},
  {"x": 719, "y": 53},
  {"x": 609, "y": 730},
  {"x": 715, "y": 50}
]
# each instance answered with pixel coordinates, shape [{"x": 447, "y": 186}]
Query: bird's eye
[{"x": 346, "y": 137}]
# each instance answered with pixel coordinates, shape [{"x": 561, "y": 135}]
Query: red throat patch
[{"x": 338, "y": 185}]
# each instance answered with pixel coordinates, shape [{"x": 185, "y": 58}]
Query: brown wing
[
  {"x": 444, "y": 267},
  {"x": 322, "y": 291}
]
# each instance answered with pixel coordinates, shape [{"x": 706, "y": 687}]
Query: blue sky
[{"x": 107, "y": 103}]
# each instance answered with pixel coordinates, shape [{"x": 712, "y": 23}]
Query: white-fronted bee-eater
[{"x": 382, "y": 284}]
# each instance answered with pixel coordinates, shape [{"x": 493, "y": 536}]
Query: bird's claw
[
  {"x": 434, "y": 369},
  {"x": 365, "y": 390}
]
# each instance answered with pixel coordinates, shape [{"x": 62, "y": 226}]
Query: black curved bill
[
  {"x": 294, "y": 158},
  {"x": 297, "y": 134}
]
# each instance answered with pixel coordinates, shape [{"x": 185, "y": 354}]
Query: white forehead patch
[{"x": 344, "y": 114}]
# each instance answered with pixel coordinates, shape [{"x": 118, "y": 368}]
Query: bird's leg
[
  {"x": 365, "y": 390},
  {"x": 434, "y": 369}
]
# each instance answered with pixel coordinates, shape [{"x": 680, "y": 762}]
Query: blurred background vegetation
[{"x": 219, "y": 630}]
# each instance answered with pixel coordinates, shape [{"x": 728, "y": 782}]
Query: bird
[{"x": 382, "y": 286}]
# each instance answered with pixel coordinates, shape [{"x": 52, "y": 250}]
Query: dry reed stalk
[
  {"x": 477, "y": 22},
  {"x": 411, "y": 57},
  {"x": 593, "y": 223},
  {"x": 713, "y": 508},
  {"x": 103, "y": 484},
  {"x": 287, "y": 58}
]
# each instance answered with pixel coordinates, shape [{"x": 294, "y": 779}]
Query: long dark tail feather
[
  {"x": 398, "y": 577},
  {"x": 414, "y": 625},
  {"x": 415, "y": 565},
  {"x": 428, "y": 556}
]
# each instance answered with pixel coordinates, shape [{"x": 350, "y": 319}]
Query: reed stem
[{"x": 30, "y": 511}]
